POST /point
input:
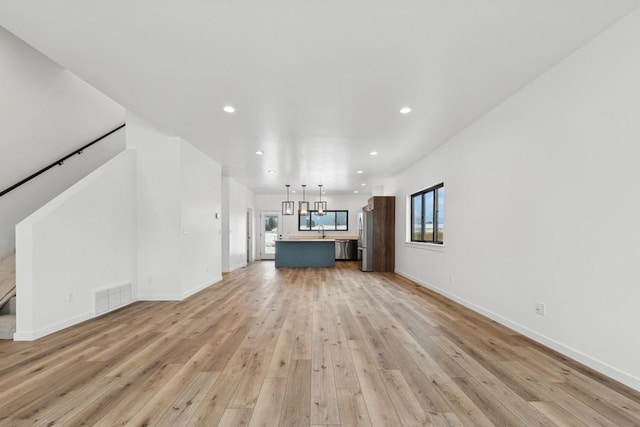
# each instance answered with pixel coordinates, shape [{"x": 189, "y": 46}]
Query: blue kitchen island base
[{"x": 305, "y": 253}]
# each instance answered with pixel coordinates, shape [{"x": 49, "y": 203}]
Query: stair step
[
  {"x": 9, "y": 307},
  {"x": 7, "y": 291},
  {"x": 7, "y": 326},
  {"x": 7, "y": 279},
  {"x": 8, "y": 266}
]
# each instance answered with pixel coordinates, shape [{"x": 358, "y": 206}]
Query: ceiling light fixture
[
  {"x": 228, "y": 109},
  {"x": 363, "y": 184},
  {"x": 360, "y": 172},
  {"x": 373, "y": 153},
  {"x": 405, "y": 110},
  {"x": 271, "y": 171},
  {"x": 320, "y": 206},
  {"x": 303, "y": 205},
  {"x": 355, "y": 191},
  {"x": 259, "y": 152},
  {"x": 287, "y": 207}
]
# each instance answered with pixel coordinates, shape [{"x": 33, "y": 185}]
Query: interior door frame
[
  {"x": 250, "y": 235},
  {"x": 263, "y": 214}
]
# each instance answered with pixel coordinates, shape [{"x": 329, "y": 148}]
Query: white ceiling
[{"x": 317, "y": 84}]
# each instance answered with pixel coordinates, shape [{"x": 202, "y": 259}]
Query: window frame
[
  {"x": 335, "y": 226},
  {"x": 421, "y": 194}
]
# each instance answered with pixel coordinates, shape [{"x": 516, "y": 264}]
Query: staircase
[{"x": 8, "y": 297}]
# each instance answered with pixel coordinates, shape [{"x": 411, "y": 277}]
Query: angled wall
[
  {"x": 80, "y": 242},
  {"x": 47, "y": 112},
  {"x": 144, "y": 223}
]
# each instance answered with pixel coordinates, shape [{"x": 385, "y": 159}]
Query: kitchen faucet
[{"x": 321, "y": 229}]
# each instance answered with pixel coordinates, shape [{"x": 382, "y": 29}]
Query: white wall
[
  {"x": 237, "y": 199},
  {"x": 542, "y": 206},
  {"x": 179, "y": 192},
  {"x": 82, "y": 241},
  {"x": 200, "y": 200},
  {"x": 273, "y": 202},
  {"x": 158, "y": 212},
  {"x": 46, "y": 112}
]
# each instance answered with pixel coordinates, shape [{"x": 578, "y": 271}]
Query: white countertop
[
  {"x": 328, "y": 236},
  {"x": 306, "y": 240}
]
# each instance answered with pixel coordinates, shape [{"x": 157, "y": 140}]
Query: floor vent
[{"x": 112, "y": 298}]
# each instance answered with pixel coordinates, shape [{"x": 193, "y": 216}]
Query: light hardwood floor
[{"x": 304, "y": 347}]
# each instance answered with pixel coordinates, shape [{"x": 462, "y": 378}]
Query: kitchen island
[{"x": 305, "y": 253}]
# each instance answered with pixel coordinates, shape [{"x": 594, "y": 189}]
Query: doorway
[
  {"x": 270, "y": 232},
  {"x": 249, "y": 235}
]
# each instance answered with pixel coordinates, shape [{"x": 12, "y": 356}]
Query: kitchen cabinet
[{"x": 383, "y": 222}]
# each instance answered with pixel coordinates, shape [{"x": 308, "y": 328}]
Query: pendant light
[
  {"x": 320, "y": 206},
  {"x": 288, "y": 206},
  {"x": 303, "y": 206}
]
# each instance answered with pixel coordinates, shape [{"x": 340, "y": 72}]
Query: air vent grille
[{"x": 112, "y": 298}]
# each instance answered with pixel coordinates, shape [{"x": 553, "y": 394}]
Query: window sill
[{"x": 425, "y": 246}]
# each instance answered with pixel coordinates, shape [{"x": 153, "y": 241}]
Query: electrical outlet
[{"x": 541, "y": 308}]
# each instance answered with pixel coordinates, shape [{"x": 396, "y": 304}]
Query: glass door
[{"x": 269, "y": 233}]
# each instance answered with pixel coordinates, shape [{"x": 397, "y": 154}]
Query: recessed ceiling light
[
  {"x": 293, "y": 191},
  {"x": 405, "y": 110},
  {"x": 271, "y": 171},
  {"x": 373, "y": 153},
  {"x": 229, "y": 109},
  {"x": 360, "y": 172},
  {"x": 259, "y": 152},
  {"x": 364, "y": 184},
  {"x": 355, "y": 191}
]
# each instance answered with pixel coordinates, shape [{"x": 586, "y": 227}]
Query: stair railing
[{"x": 60, "y": 161}]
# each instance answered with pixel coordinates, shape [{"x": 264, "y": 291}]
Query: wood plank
[
  {"x": 281, "y": 358},
  {"x": 122, "y": 407},
  {"x": 278, "y": 341},
  {"x": 235, "y": 417},
  {"x": 353, "y": 409},
  {"x": 488, "y": 404},
  {"x": 250, "y": 382},
  {"x": 552, "y": 393},
  {"x": 379, "y": 404},
  {"x": 215, "y": 401},
  {"x": 558, "y": 415},
  {"x": 525, "y": 412},
  {"x": 447, "y": 419},
  {"x": 296, "y": 409},
  {"x": 155, "y": 408},
  {"x": 324, "y": 403},
  {"x": 182, "y": 410},
  {"x": 343, "y": 368},
  {"x": 407, "y": 406},
  {"x": 269, "y": 405}
]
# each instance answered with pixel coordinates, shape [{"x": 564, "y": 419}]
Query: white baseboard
[
  {"x": 200, "y": 287},
  {"x": 159, "y": 297},
  {"x": 39, "y": 333},
  {"x": 591, "y": 362},
  {"x": 236, "y": 267},
  {"x": 179, "y": 297}
]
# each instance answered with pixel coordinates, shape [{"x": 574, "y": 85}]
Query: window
[
  {"x": 331, "y": 220},
  {"x": 427, "y": 215}
]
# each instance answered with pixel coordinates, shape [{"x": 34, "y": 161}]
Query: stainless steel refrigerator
[{"x": 365, "y": 240}]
